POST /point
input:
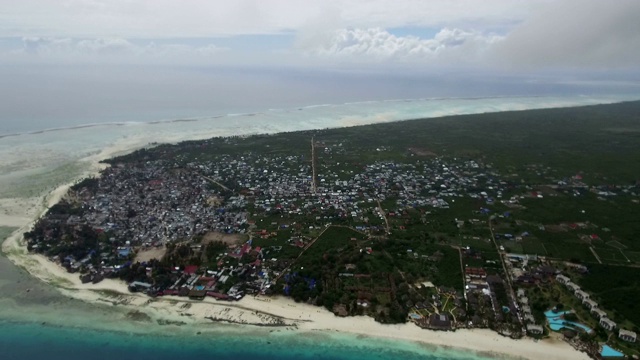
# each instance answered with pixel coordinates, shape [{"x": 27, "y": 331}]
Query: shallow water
[
  {"x": 37, "y": 322},
  {"x": 31, "y": 341}
]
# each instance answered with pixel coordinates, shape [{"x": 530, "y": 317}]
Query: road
[
  {"x": 507, "y": 274},
  {"x": 216, "y": 182},
  {"x": 300, "y": 255},
  {"x": 384, "y": 216},
  {"x": 313, "y": 166}
]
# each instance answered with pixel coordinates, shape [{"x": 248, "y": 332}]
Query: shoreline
[
  {"x": 263, "y": 312},
  {"x": 277, "y": 313}
]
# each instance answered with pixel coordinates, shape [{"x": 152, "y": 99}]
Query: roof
[
  {"x": 534, "y": 327},
  {"x": 607, "y": 321},
  {"x": 628, "y": 333},
  {"x": 190, "y": 269}
]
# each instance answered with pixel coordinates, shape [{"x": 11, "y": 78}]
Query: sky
[{"x": 95, "y": 59}]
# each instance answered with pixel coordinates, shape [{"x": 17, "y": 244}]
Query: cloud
[
  {"x": 376, "y": 44},
  {"x": 202, "y": 18},
  {"x": 111, "y": 49},
  {"x": 492, "y": 35},
  {"x": 571, "y": 33}
]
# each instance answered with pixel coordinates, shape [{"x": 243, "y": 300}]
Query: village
[{"x": 428, "y": 239}]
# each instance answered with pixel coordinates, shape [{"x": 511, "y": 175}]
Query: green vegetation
[
  {"x": 397, "y": 206},
  {"x": 617, "y": 288}
]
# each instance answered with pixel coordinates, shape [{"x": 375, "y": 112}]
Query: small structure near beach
[{"x": 627, "y": 335}]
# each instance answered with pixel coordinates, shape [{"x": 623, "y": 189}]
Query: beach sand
[
  {"x": 269, "y": 311},
  {"x": 259, "y": 311},
  {"x": 277, "y": 312}
]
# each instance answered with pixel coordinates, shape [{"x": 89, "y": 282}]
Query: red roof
[{"x": 190, "y": 269}]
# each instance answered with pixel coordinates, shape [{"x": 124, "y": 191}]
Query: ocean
[
  {"x": 34, "y": 341},
  {"x": 37, "y": 322}
]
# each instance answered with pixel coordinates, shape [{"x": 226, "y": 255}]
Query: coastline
[{"x": 259, "y": 311}]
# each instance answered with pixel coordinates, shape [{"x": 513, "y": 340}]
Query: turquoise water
[
  {"x": 608, "y": 351},
  {"x": 37, "y": 322},
  {"x": 37, "y": 341},
  {"x": 557, "y": 323}
]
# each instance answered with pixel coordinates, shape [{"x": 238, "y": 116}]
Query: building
[
  {"x": 599, "y": 313},
  {"x": 607, "y": 323},
  {"x": 582, "y": 295},
  {"x": 440, "y": 322},
  {"x": 590, "y": 303},
  {"x": 573, "y": 287},
  {"x": 535, "y": 329},
  {"x": 627, "y": 335}
]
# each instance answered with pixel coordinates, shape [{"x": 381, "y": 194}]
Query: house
[
  {"x": 139, "y": 286},
  {"x": 340, "y": 310},
  {"x": 534, "y": 329},
  {"x": 573, "y": 287},
  {"x": 190, "y": 269},
  {"x": 197, "y": 294},
  {"x": 546, "y": 270},
  {"x": 86, "y": 278},
  {"x": 439, "y": 321},
  {"x": 627, "y": 335},
  {"x": 562, "y": 279},
  {"x": 590, "y": 304},
  {"x": 599, "y": 313},
  {"x": 607, "y": 323},
  {"x": 582, "y": 295}
]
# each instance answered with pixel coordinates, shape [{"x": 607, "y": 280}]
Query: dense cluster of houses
[
  {"x": 283, "y": 184},
  {"x": 153, "y": 204},
  {"x": 197, "y": 284},
  {"x": 600, "y": 314}
]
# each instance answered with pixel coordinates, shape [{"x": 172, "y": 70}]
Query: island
[{"x": 521, "y": 222}]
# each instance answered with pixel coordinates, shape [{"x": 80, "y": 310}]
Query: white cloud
[
  {"x": 492, "y": 34},
  {"x": 575, "y": 33},
  {"x": 110, "y": 49},
  {"x": 379, "y": 45},
  {"x": 204, "y": 18}
]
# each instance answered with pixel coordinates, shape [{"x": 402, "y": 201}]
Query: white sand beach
[
  {"x": 264, "y": 311},
  {"x": 22, "y": 212}
]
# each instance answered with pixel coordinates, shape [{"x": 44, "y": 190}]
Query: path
[
  {"x": 464, "y": 280},
  {"x": 593, "y": 251},
  {"x": 216, "y": 182},
  {"x": 507, "y": 275},
  {"x": 384, "y": 216},
  {"x": 314, "y": 187},
  {"x": 300, "y": 255}
]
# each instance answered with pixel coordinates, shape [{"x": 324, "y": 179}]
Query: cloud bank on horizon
[
  {"x": 409, "y": 34},
  {"x": 70, "y": 62}
]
